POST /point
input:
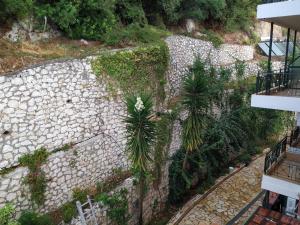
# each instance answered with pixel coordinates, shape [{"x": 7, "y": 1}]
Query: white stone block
[{"x": 17, "y": 81}]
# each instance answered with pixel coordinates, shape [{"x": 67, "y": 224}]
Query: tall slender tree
[
  {"x": 140, "y": 128},
  {"x": 196, "y": 101}
]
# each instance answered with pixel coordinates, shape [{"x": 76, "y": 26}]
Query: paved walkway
[{"x": 228, "y": 199}]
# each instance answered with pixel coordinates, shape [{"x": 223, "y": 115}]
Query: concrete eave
[{"x": 285, "y": 14}]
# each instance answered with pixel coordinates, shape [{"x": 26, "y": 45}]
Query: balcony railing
[
  {"x": 266, "y": 81},
  {"x": 288, "y": 170},
  {"x": 294, "y": 136},
  {"x": 274, "y": 155},
  {"x": 278, "y": 161},
  {"x": 272, "y": 1}
]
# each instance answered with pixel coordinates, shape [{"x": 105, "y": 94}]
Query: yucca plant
[
  {"x": 140, "y": 128},
  {"x": 196, "y": 101}
]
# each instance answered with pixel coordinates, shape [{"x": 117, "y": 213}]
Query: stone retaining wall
[
  {"x": 63, "y": 102},
  {"x": 55, "y": 104},
  {"x": 184, "y": 51}
]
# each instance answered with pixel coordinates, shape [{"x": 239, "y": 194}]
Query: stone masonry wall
[
  {"x": 63, "y": 102},
  {"x": 55, "y": 104},
  {"x": 184, "y": 51}
]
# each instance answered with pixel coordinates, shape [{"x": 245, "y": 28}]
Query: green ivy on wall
[
  {"x": 136, "y": 70},
  {"x": 36, "y": 179}
]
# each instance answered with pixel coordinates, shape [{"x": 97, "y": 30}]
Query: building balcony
[
  {"x": 271, "y": 1},
  {"x": 263, "y": 216},
  {"x": 278, "y": 90},
  {"x": 282, "y": 167},
  {"x": 283, "y": 13}
]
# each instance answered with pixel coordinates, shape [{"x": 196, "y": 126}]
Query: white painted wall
[
  {"x": 280, "y": 186},
  {"x": 298, "y": 118},
  {"x": 276, "y": 102}
]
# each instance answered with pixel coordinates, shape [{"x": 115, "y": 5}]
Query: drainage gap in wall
[
  {"x": 6, "y": 132},
  {"x": 69, "y": 101}
]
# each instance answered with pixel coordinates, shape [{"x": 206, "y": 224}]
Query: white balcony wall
[
  {"x": 286, "y": 13},
  {"x": 276, "y": 102},
  {"x": 279, "y": 186}
]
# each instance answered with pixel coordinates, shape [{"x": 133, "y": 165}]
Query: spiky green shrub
[
  {"x": 196, "y": 101},
  {"x": 140, "y": 128}
]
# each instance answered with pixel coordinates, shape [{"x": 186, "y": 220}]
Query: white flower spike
[{"x": 139, "y": 105}]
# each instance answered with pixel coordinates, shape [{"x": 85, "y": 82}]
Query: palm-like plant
[
  {"x": 140, "y": 136},
  {"x": 226, "y": 133},
  {"x": 196, "y": 101}
]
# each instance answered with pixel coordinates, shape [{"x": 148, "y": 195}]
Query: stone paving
[
  {"x": 249, "y": 212},
  {"x": 228, "y": 199}
]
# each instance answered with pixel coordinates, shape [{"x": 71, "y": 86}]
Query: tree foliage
[
  {"x": 140, "y": 137},
  {"x": 230, "y": 129},
  {"x": 97, "y": 19}
]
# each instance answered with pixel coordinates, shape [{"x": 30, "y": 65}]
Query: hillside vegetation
[{"x": 114, "y": 21}]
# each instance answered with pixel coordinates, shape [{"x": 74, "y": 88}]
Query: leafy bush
[
  {"x": 112, "y": 19},
  {"x": 239, "y": 14},
  {"x": 88, "y": 19},
  {"x": 214, "y": 38},
  {"x": 117, "y": 206},
  {"x": 245, "y": 158},
  {"x": 203, "y": 9},
  {"x": 80, "y": 195},
  {"x": 6, "y": 215},
  {"x": 33, "y": 218},
  {"x": 101, "y": 19},
  {"x": 171, "y": 8},
  {"x": 68, "y": 211},
  {"x": 179, "y": 182},
  {"x": 130, "y": 11},
  {"x": 14, "y": 9}
]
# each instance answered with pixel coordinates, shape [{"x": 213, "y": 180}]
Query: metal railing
[
  {"x": 266, "y": 81},
  {"x": 294, "y": 136},
  {"x": 274, "y": 155},
  {"x": 288, "y": 171},
  {"x": 272, "y": 1}
]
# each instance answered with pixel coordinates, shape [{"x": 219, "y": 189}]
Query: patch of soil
[
  {"x": 14, "y": 56},
  {"x": 235, "y": 38}
]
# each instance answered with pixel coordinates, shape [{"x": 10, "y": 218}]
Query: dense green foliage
[
  {"x": 36, "y": 179},
  {"x": 195, "y": 100},
  {"x": 33, "y": 218},
  {"x": 6, "y": 215},
  {"x": 115, "y": 20},
  {"x": 117, "y": 206},
  {"x": 135, "y": 71},
  {"x": 228, "y": 135},
  {"x": 68, "y": 211}
]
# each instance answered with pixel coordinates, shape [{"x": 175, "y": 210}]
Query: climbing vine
[
  {"x": 163, "y": 130},
  {"x": 36, "y": 179},
  {"x": 137, "y": 70}
]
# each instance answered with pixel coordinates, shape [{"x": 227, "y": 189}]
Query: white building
[{"x": 280, "y": 90}]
